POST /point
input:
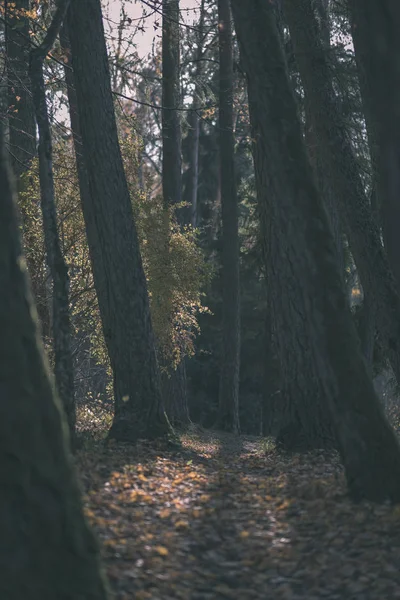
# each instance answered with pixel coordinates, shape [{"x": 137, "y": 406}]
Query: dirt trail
[{"x": 219, "y": 518}]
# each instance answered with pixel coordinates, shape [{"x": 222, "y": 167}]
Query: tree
[
  {"x": 288, "y": 198},
  {"x": 46, "y": 548},
  {"x": 113, "y": 243},
  {"x": 173, "y": 380},
  {"x": 22, "y": 137},
  {"x": 228, "y": 410},
  {"x": 344, "y": 176},
  {"x": 61, "y": 325},
  {"x": 191, "y": 188},
  {"x": 375, "y": 29},
  {"x": 171, "y": 126}
]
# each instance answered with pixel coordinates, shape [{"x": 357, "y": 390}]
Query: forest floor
[{"x": 222, "y": 518}]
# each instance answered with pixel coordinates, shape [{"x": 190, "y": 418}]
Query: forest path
[{"x": 220, "y": 519}]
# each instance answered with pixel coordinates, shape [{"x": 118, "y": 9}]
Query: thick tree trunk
[
  {"x": 287, "y": 195},
  {"x": 375, "y": 30},
  {"x": 113, "y": 243},
  {"x": 343, "y": 175},
  {"x": 61, "y": 325},
  {"x": 174, "y": 385},
  {"x": 46, "y": 547},
  {"x": 21, "y": 119},
  {"x": 228, "y": 409}
]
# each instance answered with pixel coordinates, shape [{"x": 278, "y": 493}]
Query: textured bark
[
  {"x": 113, "y": 243},
  {"x": 368, "y": 446},
  {"x": 314, "y": 145},
  {"x": 61, "y": 324},
  {"x": 228, "y": 409},
  {"x": 174, "y": 385},
  {"x": 342, "y": 170},
  {"x": 375, "y": 30},
  {"x": 175, "y": 396},
  {"x": 46, "y": 549},
  {"x": 22, "y": 136}
]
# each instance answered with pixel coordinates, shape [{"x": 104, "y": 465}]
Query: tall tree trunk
[
  {"x": 113, "y": 243},
  {"x": 344, "y": 177},
  {"x": 375, "y": 30},
  {"x": 191, "y": 188},
  {"x": 61, "y": 325},
  {"x": 171, "y": 122},
  {"x": 22, "y": 129},
  {"x": 228, "y": 409},
  {"x": 46, "y": 547},
  {"x": 174, "y": 383},
  {"x": 286, "y": 191},
  {"x": 313, "y": 142},
  {"x": 22, "y": 126},
  {"x": 325, "y": 188}
]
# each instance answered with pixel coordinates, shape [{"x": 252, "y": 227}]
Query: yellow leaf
[
  {"x": 244, "y": 534},
  {"x": 164, "y": 514},
  {"x": 181, "y": 524},
  {"x": 161, "y": 550}
]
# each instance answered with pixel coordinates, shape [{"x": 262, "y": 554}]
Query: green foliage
[{"x": 174, "y": 264}]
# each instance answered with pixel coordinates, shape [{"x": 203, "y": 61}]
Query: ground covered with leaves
[{"x": 226, "y": 517}]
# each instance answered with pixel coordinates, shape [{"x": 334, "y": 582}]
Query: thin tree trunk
[
  {"x": 21, "y": 119},
  {"x": 191, "y": 190},
  {"x": 375, "y": 31},
  {"x": 171, "y": 123},
  {"x": 368, "y": 446},
  {"x": 61, "y": 325},
  {"x": 113, "y": 242},
  {"x": 174, "y": 383},
  {"x": 342, "y": 170},
  {"x": 46, "y": 547},
  {"x": 228, "y": 409}
]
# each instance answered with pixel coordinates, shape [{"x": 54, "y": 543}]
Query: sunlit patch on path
[{"x": 220, "y": 518}]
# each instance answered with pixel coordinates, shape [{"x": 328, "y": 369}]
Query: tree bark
[
  {"x": 228, "y": 409},
  {"x": 174, "y": 383},
  {"x": 287, "y": 195},
  {"x": 61, "y": 325},
  {"x": 171, "y": 122},
  {"x": 46, "y": 547},
  {"x": 21, "y": 119},
  {"x": 113, "y": 243},
  {"x": 344, "y": 177},
  {"x": 191, "y": 189},
  {"x": 375, "y": 31}
]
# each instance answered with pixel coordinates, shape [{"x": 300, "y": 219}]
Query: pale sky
[{"x": 134, "y": 9}]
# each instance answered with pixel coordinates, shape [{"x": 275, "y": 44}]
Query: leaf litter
[{"x": 221, "y": 518}]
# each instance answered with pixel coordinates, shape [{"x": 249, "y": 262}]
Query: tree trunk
[
  {"x": 287, "y": 195},
  {"x": 171, "y": 123},
  {"x": 191, "y": 189},
  {"x": 175, "y": 396},
  {"x": 113, "y": 243},
  {"x": 228, "y": 409},
  {"x": 46, "y": 547},
  {"x": 343, "y": 175},
  {"x": 22, "y": 136},
  {"x": 375, "y": 30},
  {"x": 174, "y": 385},
  {"x": 61, "y": 325}
]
